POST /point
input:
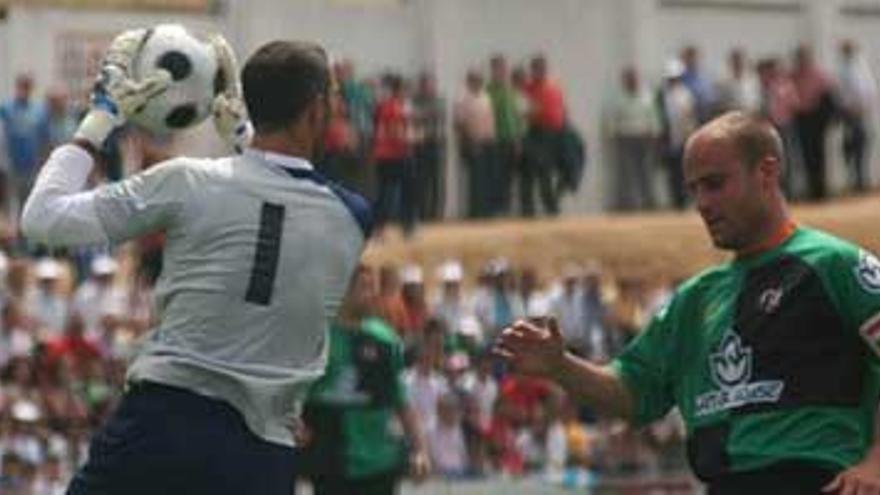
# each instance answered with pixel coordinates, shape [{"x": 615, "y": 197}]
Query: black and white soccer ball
[{"x": 196, "y": 78}]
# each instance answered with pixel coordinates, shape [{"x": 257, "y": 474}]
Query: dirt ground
[{"x": 672, "y": 245}]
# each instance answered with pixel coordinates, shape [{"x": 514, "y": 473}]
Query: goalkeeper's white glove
[
  {"x": 230, "y": 114},
  {"x": 116, "y": 95}
]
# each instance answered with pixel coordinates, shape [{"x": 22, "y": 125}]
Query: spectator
[
  {"x": 340, "y": 162},
  {"x": 100, "y": 304},
  {"x": 679, "y": 115},
  {"x": 24, "y": 123},
  {"x": 16, "y": 334},
  {"x": 568, "y": 305},
  {"x": 510, "y": 127},
  {"x": 426, "y": 385},
  {"x": 740, "y": 90},
  {"x": 633, "y": 126},
  {"x": 601, "y": 344},
  {"x": 475, "y": 124},
  {"x": 412, "y": 293},
  {"x": 779, "y": 104},
  {"x": 348, "y": 415},
  {"x": 430, "y": 145},
  {"x": 698, "y": 84},
  {"x": 543, "y": 146},
  {"x": 73, "y": 347},
  {"x": 360, "y": 105},
  {"x": 816, "y": 109},
  {"x": 391, "y": 306},
  {"x": 499, "y": 303},
  {"x": 449, "y": 454},
  {"x": 449, "y": 304},
  {"x": 61, "y": 120},
  {"x": 45, "y": 302},
  {"x": 391, "y": 153},
  {"x": 857, "y": 93}
]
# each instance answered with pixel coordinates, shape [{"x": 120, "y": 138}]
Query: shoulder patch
[{"x": 867, "y": 272}]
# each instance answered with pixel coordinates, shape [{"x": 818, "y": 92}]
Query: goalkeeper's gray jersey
[{"x": 257, "y": 260}]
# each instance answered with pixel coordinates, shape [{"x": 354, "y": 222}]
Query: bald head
[{"x": 753, "y": 137}]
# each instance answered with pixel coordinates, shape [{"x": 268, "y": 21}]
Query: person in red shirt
[
  {"x": 391, "y": 154},
  {"x": 542, "y": 148},
  {"x": 73, "y": 346}
]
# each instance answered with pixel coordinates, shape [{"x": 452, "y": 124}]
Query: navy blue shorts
[{"x": 165, "y": 440}]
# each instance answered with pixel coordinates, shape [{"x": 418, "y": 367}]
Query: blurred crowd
[
  {"x": 803, "y": 100},
  {"x": 517, "y": 147},
  {"x": 66, "y": 333},
  {"x": 480, "y": 419},
  {"x": 65, "y": 337}
]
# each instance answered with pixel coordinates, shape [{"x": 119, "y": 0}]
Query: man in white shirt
[
  {"x": 740, "y": 90},
  {"x": 259, "y": 252},
  {"x": 98, "y": 301},
  {"x": 857, "y": 92},
  {"x": 45, "y": 302}
]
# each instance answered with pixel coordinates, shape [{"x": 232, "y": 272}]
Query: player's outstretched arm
[
  {"x": 58, "y": 212},
  {"x": 540, "y": 351}
]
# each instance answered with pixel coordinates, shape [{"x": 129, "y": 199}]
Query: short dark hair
[{"x": 281, "y": 79}]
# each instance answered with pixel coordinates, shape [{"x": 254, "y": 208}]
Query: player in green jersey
[
  {"x": 350, "y": 414},
  {"x": 771, "y": 357}
]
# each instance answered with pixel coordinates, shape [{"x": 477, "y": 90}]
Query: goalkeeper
[{"x": 259, "y": 252}]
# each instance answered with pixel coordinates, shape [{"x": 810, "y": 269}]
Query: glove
[
  {"x": 230, "y": 114},
  {"x": 116, "y": 96}
]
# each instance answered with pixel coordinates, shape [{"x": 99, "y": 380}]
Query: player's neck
[
  {"x": 777, "y": 232},
  {"x": 282, "y": 144}
]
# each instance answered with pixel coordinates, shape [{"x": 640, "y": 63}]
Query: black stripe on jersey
[
  {"x": 799, "y": 339},
  {"x": 262, "y": 281},
  {"x": 707, "y": 451}
]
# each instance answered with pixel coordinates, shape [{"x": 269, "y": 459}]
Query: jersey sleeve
[
  {"x": 147, "y": 202},
  {"x": 644, "y": 368},
  {"x": 855, "y": 280}
]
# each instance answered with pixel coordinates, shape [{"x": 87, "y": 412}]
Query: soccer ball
[{"x": 196, "y": 79}]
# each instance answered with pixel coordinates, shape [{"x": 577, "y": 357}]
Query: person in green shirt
[
  {"x": 510, "y": 127},
  {"x": 349, "y": 417},
  {"x": 771, "y": 357}
]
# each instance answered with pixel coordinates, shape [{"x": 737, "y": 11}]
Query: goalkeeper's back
[{"x": 257, "y": 260}]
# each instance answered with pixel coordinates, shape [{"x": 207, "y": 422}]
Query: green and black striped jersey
[{"x": 770, "y": 358}]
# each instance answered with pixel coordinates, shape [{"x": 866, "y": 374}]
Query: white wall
[{"x": 586, "y": 41}]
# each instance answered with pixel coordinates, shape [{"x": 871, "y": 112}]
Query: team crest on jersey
[
  {"x": 731, "y": 368},
  {"x": 868, "y": 272}
]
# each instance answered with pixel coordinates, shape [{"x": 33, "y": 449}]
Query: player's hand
[
  {"x": 533, "y": 348},
  {"x": 116, "y": 95},
  {"x": 229, "y": 111},
  {"x": 419, "y": 466},
  {"x": 861, "y": 479}
]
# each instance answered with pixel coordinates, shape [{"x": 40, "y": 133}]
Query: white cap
[
  {"x": 470, "y": 326},
  {"x": 411, "y": 274},
  {"x": 450, "y": 272},
  {"x": 674, "y": 68},
  {"x": 47, "y": 269},
  {"x": 538, "y": 307},
  {"x": 25, "y": 411},
  {"x": 104, "y": 265}
]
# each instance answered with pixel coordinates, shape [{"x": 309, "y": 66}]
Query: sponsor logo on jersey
[
  {"x": 731, "y": 369},
  {"x": 771, "y": 299},
  {"x": 868, "y": 272},
  {"x": 870, "y": 331}
]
